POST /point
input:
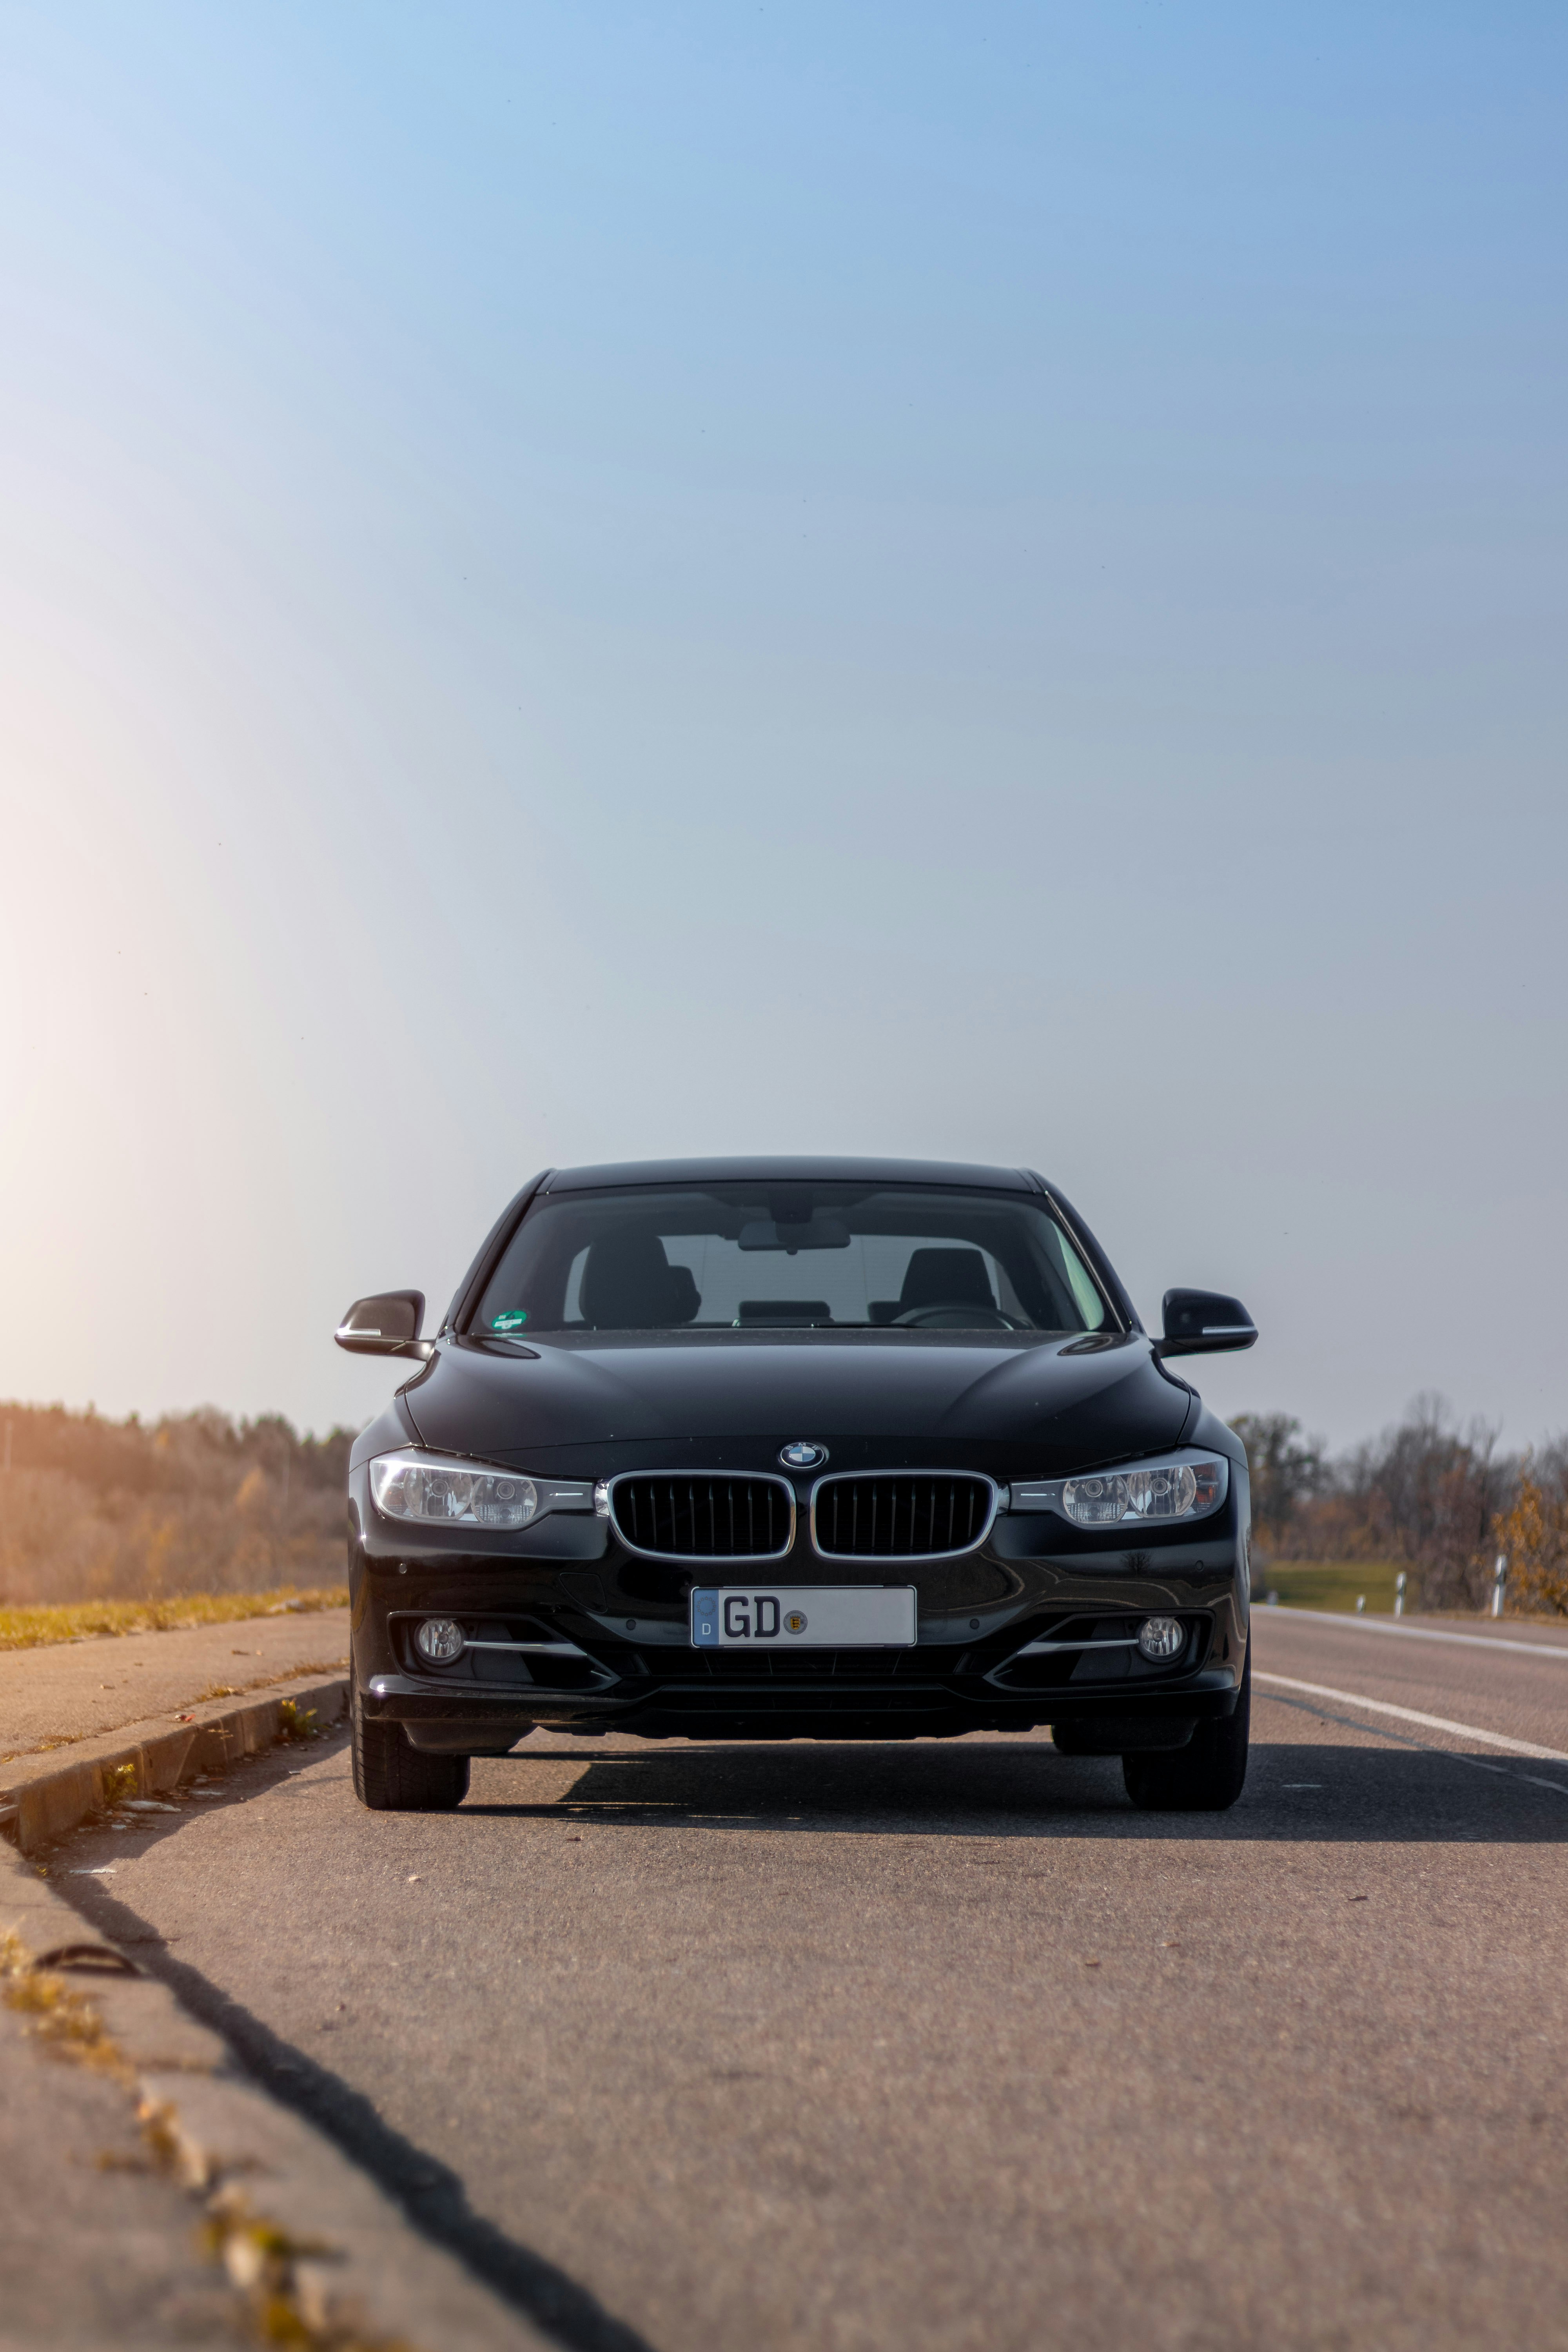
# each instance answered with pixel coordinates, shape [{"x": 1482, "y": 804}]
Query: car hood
[{"x": 1020, "y": 1408}]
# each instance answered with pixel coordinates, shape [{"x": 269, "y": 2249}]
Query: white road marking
[
  {"x": 1425, "y": 1748},
  {"x": 1414, "y": 1714},
  {"x": 1419, "y": 1633}
]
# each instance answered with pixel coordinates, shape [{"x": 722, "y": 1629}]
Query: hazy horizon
[{"x": 982, "y": 585}]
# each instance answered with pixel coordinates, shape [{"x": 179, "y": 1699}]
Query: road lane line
[
  {"x": 1418, "y": 1632},
  {"x": 1414, "y": 1714},
  {"x": 1422, "y": 1748}
]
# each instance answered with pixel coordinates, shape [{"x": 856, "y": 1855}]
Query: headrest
[
  {"x": 629, "y": 1285},
  {"x": 946, "y": 1277}
]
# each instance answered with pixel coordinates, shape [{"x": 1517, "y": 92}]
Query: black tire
[
  {"x": 390, "y": 1777},
  {"x": 1204, "y": 1777}
]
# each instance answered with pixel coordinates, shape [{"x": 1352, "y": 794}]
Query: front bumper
[{"x": 584, "y": 1636}]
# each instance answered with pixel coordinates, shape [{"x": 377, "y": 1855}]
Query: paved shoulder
[{"x": 75, "y": 1690}]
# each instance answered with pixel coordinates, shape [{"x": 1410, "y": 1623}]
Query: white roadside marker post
[
  {"x": 1399, "y": 1594},
  {"x": 1500, "y": 1578}
]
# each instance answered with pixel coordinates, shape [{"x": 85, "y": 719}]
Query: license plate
[{"x": 803, "y": 1616}]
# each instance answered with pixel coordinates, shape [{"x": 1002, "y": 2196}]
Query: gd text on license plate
[{"x": 803, "y": 1616}]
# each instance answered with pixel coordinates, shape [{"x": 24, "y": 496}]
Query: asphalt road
[{"x": 941, "y": 2045}]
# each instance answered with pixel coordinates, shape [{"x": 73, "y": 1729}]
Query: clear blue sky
[{"x": 600, "y": 582}]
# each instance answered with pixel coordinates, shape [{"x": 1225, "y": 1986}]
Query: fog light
[
  {"x": 1159, "y": 1638},
  {"x": 439, "y": 1640}
]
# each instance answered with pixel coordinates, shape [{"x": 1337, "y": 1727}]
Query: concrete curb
[
  {"x": 43, "y": 1797},
  {"x": 366, "y": 2273},
  {"x": 363, "y": 2274}
]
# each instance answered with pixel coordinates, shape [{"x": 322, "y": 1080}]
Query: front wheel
[
  {"x": 1204, "y": 1777},
  {"x": 391, "y": 1777}
]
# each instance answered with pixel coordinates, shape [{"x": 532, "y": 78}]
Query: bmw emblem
[{"x": 802, "y": 1457}]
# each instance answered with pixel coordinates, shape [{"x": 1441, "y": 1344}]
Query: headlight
[
  {"x": 429, "y": 1487},
  {"x": 1148, "y": 1493}
]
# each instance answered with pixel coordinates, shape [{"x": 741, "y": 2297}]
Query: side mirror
[
  {"x": 1204, "y": 1323},
  {"x": 387, "y": 1325}
]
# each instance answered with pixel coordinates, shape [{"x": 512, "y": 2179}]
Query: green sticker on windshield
[{"x": 512, "y": 1321}]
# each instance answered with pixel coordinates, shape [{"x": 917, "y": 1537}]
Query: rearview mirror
[
  {"x": 821, "y": 1231},
  {"x": 387, "y": 1325},
  {"x": 1204, "y": 1323}
]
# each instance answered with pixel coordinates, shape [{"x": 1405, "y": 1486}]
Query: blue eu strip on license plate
[{"x": 803, "y": 1616}]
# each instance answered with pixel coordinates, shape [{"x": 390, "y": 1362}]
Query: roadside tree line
[
  {"x": 1440, "y": 1499},
  {"x": 97, "y": 1509}
]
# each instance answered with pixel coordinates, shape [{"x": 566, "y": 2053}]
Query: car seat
[
  {"x": 946, "y": 1277},
  {"x": 629, "y": 1285}
]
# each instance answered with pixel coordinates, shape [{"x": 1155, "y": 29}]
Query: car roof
[{"x": 785, "y": 1170}]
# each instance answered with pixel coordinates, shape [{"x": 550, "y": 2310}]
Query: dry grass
[
  {"x": 1336, "y": 1585},
  {"x": 65, "y": 2023},
  {"x": 33, "y": 1627}
]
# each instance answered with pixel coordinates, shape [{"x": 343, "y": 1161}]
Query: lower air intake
[
  {"x": 902, "y": 1515},
  {"x": 705, "y": 1516}
]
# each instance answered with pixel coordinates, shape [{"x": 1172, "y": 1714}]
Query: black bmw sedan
[{"x": 783, "y": 1449}]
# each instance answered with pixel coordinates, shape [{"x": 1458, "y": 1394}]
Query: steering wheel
[{"x": 955, "y": 1316}]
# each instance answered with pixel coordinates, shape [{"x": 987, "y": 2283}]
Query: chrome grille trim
[
  {"x": 910, "y": 1480},
  {"x": 1093, "y": 1644},
  {"x": 721, "y": 1501},
  {"x": 526, "y": 1646},
  {"x": 1041, "y": 1649},
  {"x": 549, "y": 1649}
]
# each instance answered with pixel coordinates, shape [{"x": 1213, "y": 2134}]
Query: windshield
[{"x": 789, "y": 1256}]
